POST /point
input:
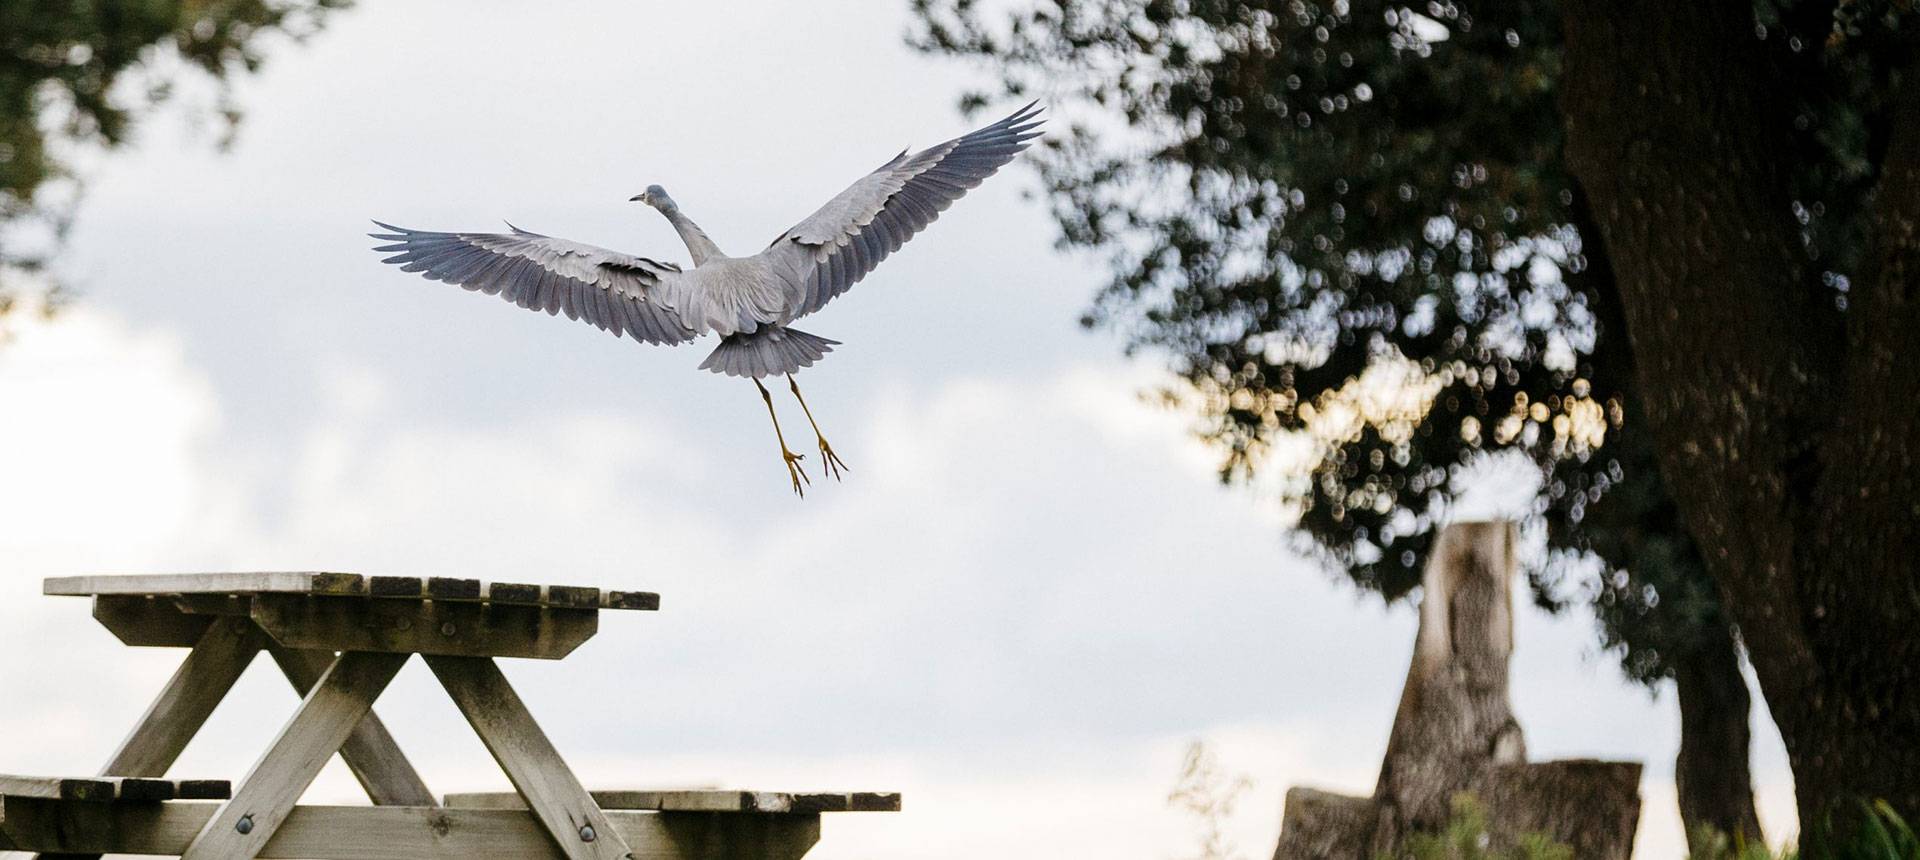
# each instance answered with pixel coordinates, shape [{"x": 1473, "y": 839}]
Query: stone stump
[{"x": 1455, "y": 733}]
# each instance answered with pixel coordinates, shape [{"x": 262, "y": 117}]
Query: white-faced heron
[{"x": 747, "y": 301}]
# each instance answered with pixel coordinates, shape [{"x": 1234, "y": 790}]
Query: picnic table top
[
  {"x": 704, "y": 800},
  {"x": 329, "y": 584}
]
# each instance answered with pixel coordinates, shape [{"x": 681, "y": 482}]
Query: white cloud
[{"x": 99, "y": 437}]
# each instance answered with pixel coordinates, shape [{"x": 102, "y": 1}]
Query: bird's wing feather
[
  {"x": 843, "y": 241},
  {"x": 615, "y": 292}
]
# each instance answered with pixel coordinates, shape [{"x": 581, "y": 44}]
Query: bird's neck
[{"x": 701, "y": 247}]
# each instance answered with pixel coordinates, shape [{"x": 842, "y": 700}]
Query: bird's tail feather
[{"x": 768, "y": 351}]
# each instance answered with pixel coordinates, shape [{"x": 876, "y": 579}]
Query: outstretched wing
[
  {"x": 850, "y": 235},
  {"x": 616, "y": 292}
]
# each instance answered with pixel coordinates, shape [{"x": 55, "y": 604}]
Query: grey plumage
[{"x": 747, "y": 301}]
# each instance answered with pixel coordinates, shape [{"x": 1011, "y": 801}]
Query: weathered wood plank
[
  {"x": 112, "y": 788},
  {"x": 370, "y": 751},
  {"x": 326, "y": 717},
  {"x": 705, "y": 800},
  {"x": 644, "y": 600},
  {"x": 56, "y": 787},
  {"x": 515, "y": 592},
  {"x": 423, "y": 627},
  {"x": 444, "y": 588},
  {"x": 576, "y": 597},
  {"x": 145, "y": 789},
  {"x": 348, "y": 585},
  {"x": 212, "y": 604},
  {"x": 389, "y": 832},
  {"x": 208, "y": 583},
  {"x": 143, "y": 621},
  {"x": 531, "y": 763},
  {"x": 142, "y": 788},
  {"x": 396, "y": 586},
  {"x": 203, "y": 789},
  {"x": 182, "y": 707},
  {"x": 714, "y": 836}
]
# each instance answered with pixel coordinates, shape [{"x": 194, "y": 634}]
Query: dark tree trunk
[
  {"x": 1711, "y": 773},
  {"x": 1790, "y": 429}
]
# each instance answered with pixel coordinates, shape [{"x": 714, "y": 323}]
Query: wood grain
[
  {"x": 101, "y": 789},
  {"x": 395, "y": 832},
  {"x": 326, "y": 717},
  {"x": 208, "y": 583},
  {"x": 144, "y": 621},
  {"x": 705, "y": 800},
  {"x": 370, "y": 751},
  {"x": 176, "y": 715},
  {"x": 531, "y": 763},
  {"x": 350, "y": 585},
  {"x": 422, "y": 626}
]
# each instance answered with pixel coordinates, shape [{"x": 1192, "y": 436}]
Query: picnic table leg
[
  {"x": 327, "y": 716},
  {"x": 176, "y": 715},
  {"x": 203, "y": 679},
  {"x": 513, "y": 738},
  {"x": 370, "y": 752}
]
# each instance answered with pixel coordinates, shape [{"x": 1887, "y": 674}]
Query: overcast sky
[{"x": 1027, "y": 597}]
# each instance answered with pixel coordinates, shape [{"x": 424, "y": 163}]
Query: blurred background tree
[
  {"x": 75, "y": 75},
  {"x": 1351, "y": 229}
]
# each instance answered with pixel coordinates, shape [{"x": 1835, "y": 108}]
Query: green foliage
[
  {"x": 1870, "y": 831},
  {"x": 1707, "y": 843},
  {"x": 78, "y": 73},
  {"x": 1875, "y": 831},
  {"x": 1884, "y": 834},
  {"x": 1293, "y": 193},
  {"x": 1466, "y": 837}
]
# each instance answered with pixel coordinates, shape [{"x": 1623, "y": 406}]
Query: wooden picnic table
[{"x": 340, "y": 638}]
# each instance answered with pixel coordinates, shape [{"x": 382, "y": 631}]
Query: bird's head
[{"x": 654, "y": 196}]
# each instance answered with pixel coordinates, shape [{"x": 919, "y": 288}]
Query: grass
[
  {"x": 1467, "y": 838},
  {"x": 1878, "y": 834}
]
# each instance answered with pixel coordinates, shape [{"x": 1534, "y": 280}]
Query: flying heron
[{"x": 747, "y": 301}]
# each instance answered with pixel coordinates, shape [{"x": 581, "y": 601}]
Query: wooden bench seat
[
  {"x": 704, "y": 800},
  {"x": 67, "y": 827},
  {"x": 113, "y": 788}
]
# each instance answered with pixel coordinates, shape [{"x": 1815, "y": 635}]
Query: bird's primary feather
[
  {"x": 845, "y": 239},
  {"x": 614, "y": 292}
]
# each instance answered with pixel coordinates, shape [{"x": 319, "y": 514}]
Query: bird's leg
[
  {"x": 793, "y": 460},
  {"x": 828, "y": 460}
]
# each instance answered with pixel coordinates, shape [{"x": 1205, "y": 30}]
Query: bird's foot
[
  {"x": 829, "y": 461},
  {"x": 796, "y": 473}
]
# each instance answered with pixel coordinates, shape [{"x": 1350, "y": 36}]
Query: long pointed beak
[{"x": 635, "y": 198}]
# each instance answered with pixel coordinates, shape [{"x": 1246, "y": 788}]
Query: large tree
[
  {"x": 1631, "y": 242},
  {"x": 1778, "y": 384}
]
